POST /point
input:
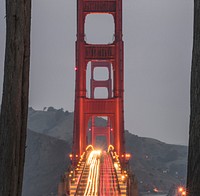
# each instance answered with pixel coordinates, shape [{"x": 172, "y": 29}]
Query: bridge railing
[
  {"x": 79, "y": 180},
  {"x": 118, "y": 187}
]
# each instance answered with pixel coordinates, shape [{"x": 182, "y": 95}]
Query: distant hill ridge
[{"x": 50, "y": 132}]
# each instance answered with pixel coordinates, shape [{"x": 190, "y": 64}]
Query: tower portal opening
[
  {"x": 99, "y": 79},
  {"x": 99, "y": 28},
  {"x": 101, "y": 73},
  {"x": 101, "y": 93},
  {"x": 99, "y": 126}
]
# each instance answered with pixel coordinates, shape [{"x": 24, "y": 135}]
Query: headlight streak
[
  {"x": 93, "y": 176},
  {"x": 100, "y": 177},
  {"x": 108, "y": 177}
]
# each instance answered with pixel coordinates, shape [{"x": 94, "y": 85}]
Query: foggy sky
[{"x": 158, "y": 47}]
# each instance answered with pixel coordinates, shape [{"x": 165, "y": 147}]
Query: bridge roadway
[
  {"x": 108, "y": 178},
  {"x": 98, "y": 176}
]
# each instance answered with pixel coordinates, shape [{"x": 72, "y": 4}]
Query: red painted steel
[
  {"x": 99, "y": 130},
  {"x": 101, "y": 83},
  {"x": 100, "y": 55}
]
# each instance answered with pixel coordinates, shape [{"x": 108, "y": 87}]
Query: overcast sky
[{"x": 158, "y": 47}]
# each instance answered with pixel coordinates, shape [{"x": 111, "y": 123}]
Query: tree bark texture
[
  {"x": 193, "y": 175},
  {"x": 13, "y": 118}
]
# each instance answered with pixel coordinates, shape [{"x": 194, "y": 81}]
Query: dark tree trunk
[
  {"x": 13, "y": 118},
  {"x": 193, "y": 178}
]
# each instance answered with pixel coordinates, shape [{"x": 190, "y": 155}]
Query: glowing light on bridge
[
  {"x": 116, "y": 165},
  {"x": 110, "y": 147},
  {"x": 93, "y": 176},
  {"x": 155, "y": 190},
  {"x": 89, "y": 147},
  {"x": 181, "y": 191}
]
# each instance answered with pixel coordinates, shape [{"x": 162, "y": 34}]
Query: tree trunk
[
  {"x": 13, "y": 118},
  {"x": 193, "y": 177}
]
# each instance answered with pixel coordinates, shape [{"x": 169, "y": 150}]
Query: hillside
[
  {"x": 156, "y": 164},
  {"x": 46, "y": 161}
]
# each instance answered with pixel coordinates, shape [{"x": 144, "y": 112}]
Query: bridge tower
[{"x": 107, "y": 55}]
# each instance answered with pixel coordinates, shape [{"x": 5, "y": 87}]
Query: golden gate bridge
[{"x": 95, "y": 171}]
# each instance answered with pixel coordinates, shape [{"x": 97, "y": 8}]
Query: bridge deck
[
  {"x": 98, "y": 176},
  {"x": 108, "y": 178}
]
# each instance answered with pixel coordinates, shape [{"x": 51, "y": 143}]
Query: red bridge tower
[{"x": 100, "y": 55}]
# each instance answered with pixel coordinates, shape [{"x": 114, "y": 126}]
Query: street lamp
[{"x": 181, "y": 191}]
